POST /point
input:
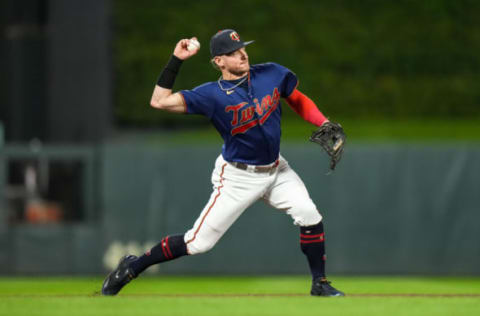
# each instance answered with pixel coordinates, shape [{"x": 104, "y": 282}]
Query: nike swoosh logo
[{"x": 230, "y": 92}]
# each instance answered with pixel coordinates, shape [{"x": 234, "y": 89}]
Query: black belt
[{"x": 256, "y": 169}]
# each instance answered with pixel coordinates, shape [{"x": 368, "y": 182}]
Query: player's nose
[{"x": 243, "y": 53}]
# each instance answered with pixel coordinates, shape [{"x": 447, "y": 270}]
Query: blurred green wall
[
  {"x": 372, "y": 58},
  {"x": 388, "y": 209}
]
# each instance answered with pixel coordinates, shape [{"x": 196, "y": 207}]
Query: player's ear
[{"x": 219, "y": 62}]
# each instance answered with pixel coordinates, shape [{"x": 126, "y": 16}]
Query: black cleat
[
  {"x": 322, "y": 287},
  {"x": 119, "y": 277}
]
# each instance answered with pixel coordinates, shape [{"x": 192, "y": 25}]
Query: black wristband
[{"x": 167, "y": 77}]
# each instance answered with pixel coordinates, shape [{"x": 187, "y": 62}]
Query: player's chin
[
  {"x": 244, "y": 68},
  {"x": 240, "y": 72}
]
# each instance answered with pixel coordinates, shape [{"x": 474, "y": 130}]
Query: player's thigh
[
  {"x": 289, "y": 194},
  {"x": 233, "y": 192}
]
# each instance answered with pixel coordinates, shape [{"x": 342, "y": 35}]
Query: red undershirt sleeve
[{"x": 306, "y": 108}]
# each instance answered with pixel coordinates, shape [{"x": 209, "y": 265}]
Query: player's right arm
[{"x": 163, "y": 98}]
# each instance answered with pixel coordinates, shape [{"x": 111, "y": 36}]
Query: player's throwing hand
[{"x": 182, "y": 51}]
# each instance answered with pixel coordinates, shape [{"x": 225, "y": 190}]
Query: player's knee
[
  {"x": 200, "y": 240},
  {"x": 306, "y": 215},
  {"x": 199, "y": 246},
  {"x": 309, "y": 220}
]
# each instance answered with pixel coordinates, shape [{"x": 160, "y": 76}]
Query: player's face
[{"x": 235, "y": 63}]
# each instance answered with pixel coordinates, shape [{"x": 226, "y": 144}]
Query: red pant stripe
[{"x": 210, "y": 208}]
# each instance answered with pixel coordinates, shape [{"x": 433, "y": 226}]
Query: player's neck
[{"x": 226, "y": 75}]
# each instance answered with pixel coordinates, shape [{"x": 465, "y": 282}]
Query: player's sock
[
  {"x": 171, "y": 247},
  {"x": 312, "y": 242}
]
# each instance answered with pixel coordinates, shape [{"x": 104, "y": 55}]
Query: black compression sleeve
[{"x": 167, "y": 77}]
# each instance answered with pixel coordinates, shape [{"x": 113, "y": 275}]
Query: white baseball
[{"x": 193, "y": 44}]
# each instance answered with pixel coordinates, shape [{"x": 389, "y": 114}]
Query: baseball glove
[{"x": 332, "y": 139}]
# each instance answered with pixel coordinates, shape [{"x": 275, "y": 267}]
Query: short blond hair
[{"x": 214, "y": 64}]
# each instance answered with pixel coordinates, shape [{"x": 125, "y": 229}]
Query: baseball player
[{"x": 244, "y": 106}]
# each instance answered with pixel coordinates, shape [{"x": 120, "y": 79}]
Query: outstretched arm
[
  {"x": 306, "y": 108},
  {"x": 163, "y": 98}
]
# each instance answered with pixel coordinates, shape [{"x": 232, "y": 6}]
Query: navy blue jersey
[{"x": 247, "y": 119}]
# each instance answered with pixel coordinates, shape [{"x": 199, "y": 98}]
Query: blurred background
[{"x": 89, "y": 171}]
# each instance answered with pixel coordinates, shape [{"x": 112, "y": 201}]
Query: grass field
[{"x": 241, "y": 296}]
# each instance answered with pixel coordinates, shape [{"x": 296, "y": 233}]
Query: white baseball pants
[{"x": 234, "y": 190}]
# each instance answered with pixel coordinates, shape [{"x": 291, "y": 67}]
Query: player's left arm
[{"x": 305, "y": 107}]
